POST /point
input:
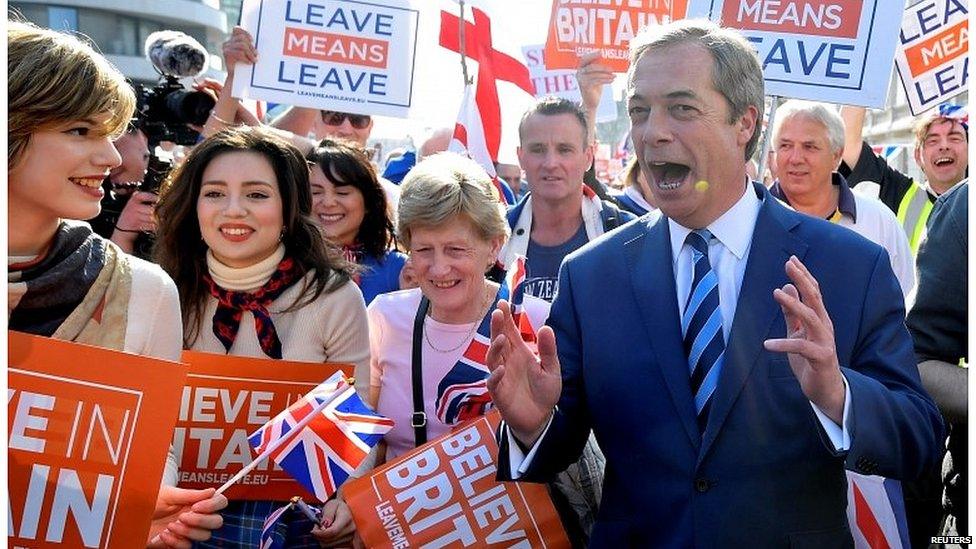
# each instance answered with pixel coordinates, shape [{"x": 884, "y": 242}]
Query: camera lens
[{"x": 191, "y": 107}]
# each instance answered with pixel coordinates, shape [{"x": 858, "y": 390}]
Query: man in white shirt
[
  {"x": 736, "y": 356},
  {"x": 808, "y": 143}
]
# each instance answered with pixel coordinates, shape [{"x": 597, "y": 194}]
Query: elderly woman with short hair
[{"x": 452, "y": 223}]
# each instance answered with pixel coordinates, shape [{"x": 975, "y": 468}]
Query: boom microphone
[{"x": 174, "y": 53}]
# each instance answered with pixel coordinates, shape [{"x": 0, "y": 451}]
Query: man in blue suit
[{"x": 731, "y": 356}]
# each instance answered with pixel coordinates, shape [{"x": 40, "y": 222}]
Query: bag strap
[{"x": 419, "y": 419}]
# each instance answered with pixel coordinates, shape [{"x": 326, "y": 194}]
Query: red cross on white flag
[
  {"x": 469, "y": 139},
  {"x": 494, "y": 67},
  {"x": 501, "y": 90},
  {"x": 469, "y": 136}
]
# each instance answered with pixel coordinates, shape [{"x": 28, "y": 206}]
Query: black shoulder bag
[{"x": 419, "y": 418}]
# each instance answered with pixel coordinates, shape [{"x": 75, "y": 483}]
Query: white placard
[
  {"x": 839, "y": 51},
  {"x": 933, "y": 52},
  {"x": 562, "y": 83},
  {"x": 343, "y": 55}
]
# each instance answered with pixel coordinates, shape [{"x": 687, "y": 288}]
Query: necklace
[{"x": 484, "y": 309}]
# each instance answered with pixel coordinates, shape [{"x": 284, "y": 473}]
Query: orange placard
[
  {"x": 227, "y": 398},
  {"x": 87, "y": 433},
  {"x": 579, "y": 27},
  {"x": 445, "y": 494}
]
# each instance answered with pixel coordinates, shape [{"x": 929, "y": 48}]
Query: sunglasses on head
[{"x": 358, "y": 121}]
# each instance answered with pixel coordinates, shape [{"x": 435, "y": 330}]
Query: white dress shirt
[{"x": 728, "y": 253}]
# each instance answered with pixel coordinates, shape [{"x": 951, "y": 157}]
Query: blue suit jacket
[{"x": 763, "y": 474}]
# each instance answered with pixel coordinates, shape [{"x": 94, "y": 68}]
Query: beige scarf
[{"x": 102, "y": 316}]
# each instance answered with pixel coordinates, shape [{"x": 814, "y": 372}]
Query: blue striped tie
[{"x": 701, "y": 325}]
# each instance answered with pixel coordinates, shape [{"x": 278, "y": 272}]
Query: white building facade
[{"x": 119, "y": 27}]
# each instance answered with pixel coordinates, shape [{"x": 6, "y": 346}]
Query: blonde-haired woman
[{"x": 66, "y": 105}]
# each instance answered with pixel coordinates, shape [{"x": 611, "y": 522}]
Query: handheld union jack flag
[
  {"x": 268, "y": 539},
  {"x": 514, "y": 291},
  {"x": 321, "y": 438}
]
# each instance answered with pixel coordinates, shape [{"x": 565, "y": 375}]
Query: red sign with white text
[
  {"x": 226, "y": 398},
  {"x": 940, "y": 48},
  {"x": 87, "y": 434},
  {"x": 336, "y": 48},
  {"x": 445, "y": 494}
]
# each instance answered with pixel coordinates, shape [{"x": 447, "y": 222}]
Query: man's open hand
[{"x": 523, "y": 387}]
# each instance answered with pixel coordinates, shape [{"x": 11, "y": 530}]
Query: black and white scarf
[{"x": 77, "y": 289}]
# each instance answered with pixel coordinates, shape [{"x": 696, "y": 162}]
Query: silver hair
[
  {"x": 736, "y": 74},
  {"x": 818, "y": 112},
  {"x": 443, "y": 186}
]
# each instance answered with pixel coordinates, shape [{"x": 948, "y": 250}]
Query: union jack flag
[
  {"x": 876, "y": 512},
  {"x": 463, "y": 393},
  {"x": 322, "y": 454},
  {"x": 268, "y": 540},
  {"x": 957, "y": 112},
  {"x": 514, "y": 290}
]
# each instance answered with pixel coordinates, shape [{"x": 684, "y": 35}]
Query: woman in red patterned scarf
[
  {"x": 255, "y": 276},
  {"x": 66, "y": 106}
]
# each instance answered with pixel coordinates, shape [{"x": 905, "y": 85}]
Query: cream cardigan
[{"x": 333, "y": 328}]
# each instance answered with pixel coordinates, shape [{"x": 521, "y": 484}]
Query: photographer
[
  {"x": 127, "y": 212},
  {"x": 166, "y": 113}
]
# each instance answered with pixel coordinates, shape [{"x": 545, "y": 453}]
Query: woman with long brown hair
[{"x": 255, "y": 276}]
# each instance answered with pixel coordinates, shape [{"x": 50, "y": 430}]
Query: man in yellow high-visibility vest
[{"x": 941, "y": 151}]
